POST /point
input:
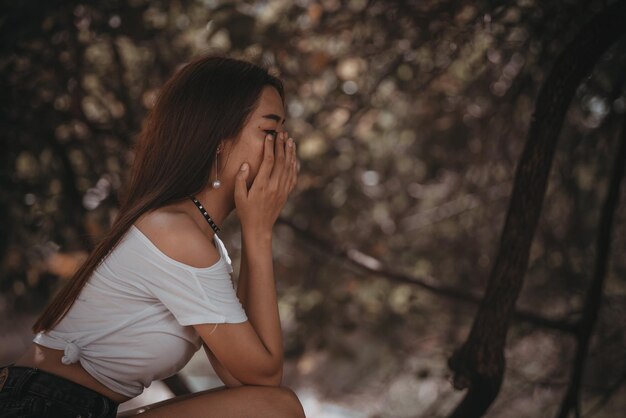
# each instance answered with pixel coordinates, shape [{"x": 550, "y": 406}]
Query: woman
[{"x": 157, "y": 286}]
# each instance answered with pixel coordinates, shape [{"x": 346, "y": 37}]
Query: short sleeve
[{"x": 197, "y": 296}]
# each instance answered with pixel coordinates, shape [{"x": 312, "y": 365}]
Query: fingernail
[
  {"x": 244, "y": 166},
  {"x": 290, "y": 142},
  {"x": 269, "y": 137}
]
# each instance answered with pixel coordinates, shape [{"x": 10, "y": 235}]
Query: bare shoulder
[{"x": 177, "y": 235}]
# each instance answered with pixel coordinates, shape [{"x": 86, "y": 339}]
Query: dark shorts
[{"x": 32, "y": 392}]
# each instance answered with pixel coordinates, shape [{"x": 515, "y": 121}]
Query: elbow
[
  {"x": 268, "y": 378},
  {"x": 276, "y": 379},
  {"x": 273, "y": 380},
  {"x": 273, "y": 376}
]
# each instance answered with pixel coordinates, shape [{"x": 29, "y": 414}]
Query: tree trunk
[
  {"x": 479, "y": 363},
  {"x": 571, "y": 400}
]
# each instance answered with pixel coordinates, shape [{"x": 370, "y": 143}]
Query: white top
[{"x": 129, "y": 324}]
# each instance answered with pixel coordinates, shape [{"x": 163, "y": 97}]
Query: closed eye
[{"x": 271, "y": 131}]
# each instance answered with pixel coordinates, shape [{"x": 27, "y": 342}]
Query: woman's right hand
[{"x": 259, "y": 207}]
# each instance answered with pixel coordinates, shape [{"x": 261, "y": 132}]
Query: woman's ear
[{"x": 224, "y": 145}]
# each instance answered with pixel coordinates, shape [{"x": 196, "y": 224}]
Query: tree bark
[
  {"x": 478, "y": 365},
  {"x": 571, "y": 400}
]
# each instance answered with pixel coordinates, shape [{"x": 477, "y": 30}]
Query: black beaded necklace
[{"x": 205, "y": 214}]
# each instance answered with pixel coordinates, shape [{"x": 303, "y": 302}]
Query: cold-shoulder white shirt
[{"x": 130, "y": 324}]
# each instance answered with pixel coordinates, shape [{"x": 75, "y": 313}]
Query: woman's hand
[{"x": 259, "y": 207}]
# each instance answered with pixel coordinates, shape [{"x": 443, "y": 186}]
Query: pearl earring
[{"x": 216, "y": 182}]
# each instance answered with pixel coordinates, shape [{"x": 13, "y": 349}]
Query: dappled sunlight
[{"x": 410, "y": 120}]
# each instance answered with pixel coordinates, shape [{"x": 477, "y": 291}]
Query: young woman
[{"x": 158, "y": 285}]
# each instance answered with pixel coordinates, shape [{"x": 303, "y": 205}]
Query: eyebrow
[{"x": 274, "y": 116}]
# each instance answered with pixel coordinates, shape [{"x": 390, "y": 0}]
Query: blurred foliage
[{"x": 410, "y": 117}]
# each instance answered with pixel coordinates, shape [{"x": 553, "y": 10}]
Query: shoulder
[{"x": 177, "y": 235}]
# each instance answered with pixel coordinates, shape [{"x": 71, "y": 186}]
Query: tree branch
[
  {"x": 375, "y": 266},
  {"x": 479, "y": 363},
  {"x": 571, "y": 400}
]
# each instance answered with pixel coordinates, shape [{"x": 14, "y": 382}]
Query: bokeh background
[{"x": 410, "y": 118}]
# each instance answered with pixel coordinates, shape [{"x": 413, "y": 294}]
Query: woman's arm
[
  {"x": 258, "y": 208},
  {"x": 242, "y": 293},
  {"x": 228, "y": 379},
  {"x": 242, "y": 282},
  {"x": 261, "y": 303},
  {"x": 242, "y": 289}
]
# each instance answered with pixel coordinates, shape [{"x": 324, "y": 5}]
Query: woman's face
[{"x": 268, "y": 117}]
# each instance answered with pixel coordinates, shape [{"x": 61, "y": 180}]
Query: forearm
[
  {"x": 223, "y": 373},
  {"x": 259, "y": 290},
  {"x": 242, "y": 282}
]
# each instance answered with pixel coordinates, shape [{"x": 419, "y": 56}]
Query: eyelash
[{"x": 271, "y": 131}]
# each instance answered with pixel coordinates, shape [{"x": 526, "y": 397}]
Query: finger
[
  {"x": 292, "y": 178},
  {"x": 278, "y": 177},
  {"x": 294, "y": 169},
  {"x": 290, "y": 165},
  {"x": 241, "y": 189},
  {"x": 279, "y": 158},
  {"x": 289, "y": 157},
  {"x": 289, "y": 154},
  {"x": 268, "y": 160}
]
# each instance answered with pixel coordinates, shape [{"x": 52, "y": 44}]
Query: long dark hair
[{"x": 207, "y": 100}]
